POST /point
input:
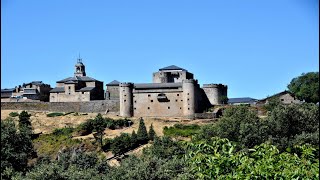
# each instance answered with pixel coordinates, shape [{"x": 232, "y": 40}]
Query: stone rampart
[{"x": 90, "y": 106}]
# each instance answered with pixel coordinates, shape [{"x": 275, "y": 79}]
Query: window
[
  {"x": 176, "y": 100},
  {"x": 135, "y": 101},
  {"x": 151, "y": 100},
  {"x": 135, "y": 108},
  {"x": 125, "y": 100},
  {"x": 188, "y": 108},
  {"x": 69, "y": 87},
  {"x": 180, "y": 107},
  {"x": 282, "y": 99},
  {"x": 188, "y": 94},
  {"x": 148, "y": 107},
  {"x": 125, "y": 95},
  {"x": 82, "y": 92},
  {"x": 168, "y": 107},
  {"x": 149, "y": 95},
  {"x": 188, "y": 99},
  {"x": 177, "y": 94}
]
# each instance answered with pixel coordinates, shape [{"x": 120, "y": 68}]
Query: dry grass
[{"x": 41, "y": 123}]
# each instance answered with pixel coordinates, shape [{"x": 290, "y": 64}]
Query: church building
[{"x": 77, "y": 88}]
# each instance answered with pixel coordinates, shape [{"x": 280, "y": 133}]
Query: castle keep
[{"x": 174, "y": 92}]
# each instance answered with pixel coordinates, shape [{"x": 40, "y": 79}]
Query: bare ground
[{"x": 41, "y": 123}]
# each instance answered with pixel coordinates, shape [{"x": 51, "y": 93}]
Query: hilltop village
[{"x": 173, "y": 93}]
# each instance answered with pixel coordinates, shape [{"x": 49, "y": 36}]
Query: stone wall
[{"x": 91, "y": 106}]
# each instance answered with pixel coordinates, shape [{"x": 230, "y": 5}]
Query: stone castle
[{"x": 174, "y": 92}]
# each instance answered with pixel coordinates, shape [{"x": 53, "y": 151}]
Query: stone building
[
  {"x": 174, "y": 92},
  {"x": 35, "y": 90},
  {"x": 112, "y": 91},
  {"x": 284, "y": 97},
  {"x": 77, "y": 88}
]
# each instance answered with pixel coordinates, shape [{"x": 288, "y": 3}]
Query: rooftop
[
  {"x": 113, "y": 83},
  {"x": 172, "y": 67},
  {"x": 241, "y": 100}
]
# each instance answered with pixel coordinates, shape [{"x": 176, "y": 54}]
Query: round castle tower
[
  {"x": 215, "y": 92},
  {"x": 126, "y": 98},
  {"x": 188, "y": 87}
]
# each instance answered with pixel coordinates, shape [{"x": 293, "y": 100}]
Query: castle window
[
  {"x": 135, "y": 101},
  {"x": 177, "y": 94},
  {"x": 180, "y": 107},
  {"x": 188, "y": 108},
  {"x": 125, "y": 95},
  {"x": 135, "y": 108},
  {"x": 125, "y": 100},
  {"x": 82, "y": 92},
  {"x": 187, "y": 93},
  {"x": 282, "y": 99},
  {"x": 151, "y": 100},
  {"x": 176, "y": 100},
  {"x": 149, "y": 95},
  {"x": 168, "y": 107},
  {"x": 148, "y": 107},
  {"x": 181, "y": 100},
  {"x": 188, "y": 99},
  {"x": 69, "y": 87}
]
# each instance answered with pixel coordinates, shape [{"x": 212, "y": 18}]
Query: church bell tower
[{"x": 80, "y": 68}]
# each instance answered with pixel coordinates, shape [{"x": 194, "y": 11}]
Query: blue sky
[{"x": 255, "y": 47}]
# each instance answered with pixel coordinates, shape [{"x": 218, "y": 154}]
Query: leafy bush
[
  {"x": 14, "y": 114},
  {"x": 217, "y": 159},
  {"x": 16, "y": 148},
  {"x": 55, "y": 114},
  {"x": 63, "y": 131},
  {"x": 182, "y": 130}
]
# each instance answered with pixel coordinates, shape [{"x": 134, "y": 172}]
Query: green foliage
[
  {"x": 24, "y": 119},
  {"x": 306, "y": 87},
  {"x": 55, "y": 114},
  {"x": 49, "y": 144},
  {"x": 152, "y": 133},
  {"x": 121, "y": 144},
  {"x": 182, "y": 130},
  {"x": 16, "y": 148},
  {"x": 63, "y": 131},
  {"x": 71, "y": 164},
  {"x": 217, "y": 159},
  {"x": 89, "y": 126},
  {"x": 151, "y": 168},
  {"x": 272, "y": 103},
  {"x": 240, "y": 124},
  {"x": 164, "y": 148},
  {"x": 134, "y": 139},
  {"x": 142, "y": 132},
  {"x": 224, "y": 99},
  {"x": 286, "y": 123},
  {"x": 13, "y": 114}
]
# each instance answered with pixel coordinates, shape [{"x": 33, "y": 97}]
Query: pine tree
[
  {"x": 152, "y": 133},
  {"x": 98, "y": 124},
  {"x": 134, "y": 139},
  {"x": 142, "y": 133}
]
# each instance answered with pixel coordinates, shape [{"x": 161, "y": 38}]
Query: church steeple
[{"x": 79, "y": 68}]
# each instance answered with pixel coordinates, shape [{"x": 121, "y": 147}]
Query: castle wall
[
  {"x": 188, "y": 95},
  {"x": 146, "y": 103},
  {"x": 214, "y": 92},
  {"x": 76, "y": 96},
  {"x": 126, "y": 109},
  {"x": 99, "y": 106},
  {"x": 113, "y": 92}
]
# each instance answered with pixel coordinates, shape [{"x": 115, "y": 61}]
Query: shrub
[
  {"x": 182, "y": 130},
  {"x": 55, "y": 114},
  {"x": 14, "y": 114}
]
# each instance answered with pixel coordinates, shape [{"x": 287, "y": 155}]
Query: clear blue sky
[{"x": 255, "y": 47}]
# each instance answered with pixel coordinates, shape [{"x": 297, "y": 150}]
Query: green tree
[
  {"x": 99, "y": 126},
  {"x": 142, "y": 132},
  {"x": 306, "y": 87},
  {"x": 24, "y": 119},
  {"x": 152, "y": 133},
  {"x": 272, "y": 103},
  {"x": 224, "y": 99},
  {"x": 16, "y": 148},
  {"x": 134, "y": 139}
]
